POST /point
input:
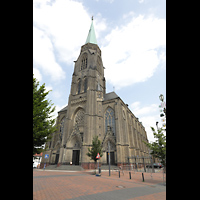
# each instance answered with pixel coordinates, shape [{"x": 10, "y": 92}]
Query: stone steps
[
  {"x": 65, "y": 167},
  {"x": 70, "y": 167}
]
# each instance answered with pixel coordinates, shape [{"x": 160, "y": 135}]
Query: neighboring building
[
  {"x": 37, "y": 160},
  {"x": 91, "y": 111}
]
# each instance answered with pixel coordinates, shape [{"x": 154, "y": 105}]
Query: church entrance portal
[
  {"x": 57, "y": 157},
  {"x": 112, "y": 158},
  {"x": 75, "y": 157}
]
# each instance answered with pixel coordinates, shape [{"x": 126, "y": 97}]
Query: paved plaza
[{"x": 83, "y": 185}]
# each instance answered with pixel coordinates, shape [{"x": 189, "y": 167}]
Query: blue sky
[{"x": 131, "y": 35}]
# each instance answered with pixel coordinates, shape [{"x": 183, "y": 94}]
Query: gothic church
[{"x": 91, "y": 111}]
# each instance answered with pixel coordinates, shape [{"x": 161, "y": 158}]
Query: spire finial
[{"x": 92, "y": 17}]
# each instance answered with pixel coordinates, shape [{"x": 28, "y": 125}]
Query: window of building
[
  {"x": 62, "y": 127},
  {"x": 79, "y": 86},
  {"x": 79, "y": 117},
  {"x": 109, "y": 120},
  {"x": 85, "y": 85},
  {"x": 84, "y": 61},
  {"x": 99, "y": 64}
]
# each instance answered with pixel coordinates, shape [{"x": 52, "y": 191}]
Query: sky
[{"x": 132, "y": 37}]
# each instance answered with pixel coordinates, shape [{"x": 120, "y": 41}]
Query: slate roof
[
  {"x": 64, "y": 109},
  {"x": 109, "y": 96}
]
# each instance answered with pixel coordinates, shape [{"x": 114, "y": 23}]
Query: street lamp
[
  {"x": 161, "y": 97},
  {"x": 157, "y": 125}
]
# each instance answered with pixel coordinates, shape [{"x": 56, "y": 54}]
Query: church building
[{"x": 90, "y": 112}]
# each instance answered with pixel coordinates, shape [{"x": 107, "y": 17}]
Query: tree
[
  {"x": 158, "y": 148},
  {"x": 96, "y": 148},
  {"x": 43, "y": 124}
]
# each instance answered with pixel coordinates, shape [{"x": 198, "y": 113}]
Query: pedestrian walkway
[{"x": 79, "y": 185}]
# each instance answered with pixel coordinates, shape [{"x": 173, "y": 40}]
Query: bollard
[
  {"x": 143, "y": 177},
  {"x": 119, "y": 174},
  {"x": 130, "y": 175}
]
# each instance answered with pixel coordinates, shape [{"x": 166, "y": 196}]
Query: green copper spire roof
[{"x": 91, "y": 38}]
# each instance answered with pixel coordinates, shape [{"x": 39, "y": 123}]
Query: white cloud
[
  {"x": 60, "y": 28},
  {"x": 100, "y": 25},
  {"x": 138, "y": 111},
  {"x": 148, "y": 115},
  {"x": 49, "y": 87},
  {"x": 37, "y": 74},
  {"x": 132, "y": 51},
  {"x": 148, "y": 122},
  {"x": 43, "y": 55},
  {"x": 141, "y": 1},
  {"x": 66, "y": 23},
  {"x": 127, "y": 15},
  {"x": 57, "y": 94}
]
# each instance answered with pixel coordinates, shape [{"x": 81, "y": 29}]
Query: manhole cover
[{"x": 120, "y": 186}]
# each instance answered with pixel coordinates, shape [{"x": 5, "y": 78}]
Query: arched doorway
[
  {"x": 56, "y": 152},
  {"x": 76, "y": 151},
  {"x": 111, "y": 141},
  {"x": 112, "y": 154},
  {"x": 57, "y": 156}
]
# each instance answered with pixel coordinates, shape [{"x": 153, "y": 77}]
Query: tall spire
[{"x": 91, "y": 38}]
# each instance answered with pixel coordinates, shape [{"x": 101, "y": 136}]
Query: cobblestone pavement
[{"x": 60, "y": 185}]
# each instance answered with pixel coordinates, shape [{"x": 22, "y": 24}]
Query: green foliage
[
  {"x": 96, "y": 148},
  {"x": 43, "y": 125},
  {"x": 158, "y": 148}
]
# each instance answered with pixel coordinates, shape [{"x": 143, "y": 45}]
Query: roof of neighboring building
[
  {"x": 111, "y": 95},
  {"x": 38, "y": 155}
]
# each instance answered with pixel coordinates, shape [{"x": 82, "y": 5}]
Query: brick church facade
[{"x": 91, "y": 111}]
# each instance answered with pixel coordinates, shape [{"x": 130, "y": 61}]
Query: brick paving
[{"x": 62, "y": 185}]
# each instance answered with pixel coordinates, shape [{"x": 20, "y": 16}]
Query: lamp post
[
  {"x": 161, "y": 97},
  {"x": 157, "y": 125}
]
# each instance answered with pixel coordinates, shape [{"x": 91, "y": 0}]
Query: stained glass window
[
  {"x": 62, "y": 127},
  {"x": 79, "y": 118},
  {"x": 84, "y": 61},
  {"x": 85, "y": 85},
  {"x": 110, "y": 120}
]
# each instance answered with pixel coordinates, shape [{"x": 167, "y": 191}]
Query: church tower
[
  {"x": 84, "y": 103},
  {"x": 91, "y": 111}
]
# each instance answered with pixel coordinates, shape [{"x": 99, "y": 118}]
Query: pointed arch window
[
  {"x": 79, "y": 117},
  {"x": 109, "y": 120},
  {"x": 79, "y": 86},
  {"x": 84, "y": 61},
  {"x": 85, "y": 85},
  {"x": 62, "y": 127}
]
